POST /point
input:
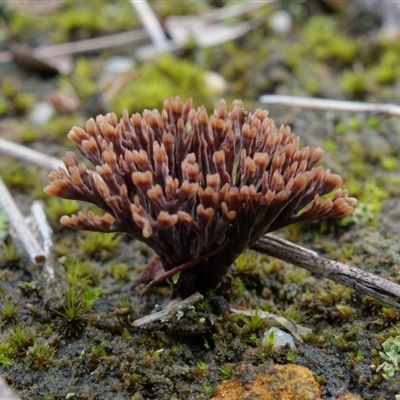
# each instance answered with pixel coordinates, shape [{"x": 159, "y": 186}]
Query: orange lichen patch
[
  {"x": 349, "y": 396},
  {"x": 283, "y": 382}
]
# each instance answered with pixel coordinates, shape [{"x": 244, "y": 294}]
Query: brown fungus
[{"x": 198, "y": 190}]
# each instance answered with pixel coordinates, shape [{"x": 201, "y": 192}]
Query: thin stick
[
  {"x": 17, "y": 222},
  {"x": 119, "y": 83},
  {"x": 26, "y": 154},
  {"x": 168, "y": 310},
  {"x": 363, "y": 282},
  {"x": 151, "y": 24},
  {"x": 43, "y": 227},
  {"x": 81, "y": 46},
  {"x": 331, "y": 105},
  {"x": 235, "y": 10},
  {"x": 298, "y": 331}
]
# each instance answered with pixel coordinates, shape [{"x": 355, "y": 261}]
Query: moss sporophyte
[{"x": 197, "y": 189}]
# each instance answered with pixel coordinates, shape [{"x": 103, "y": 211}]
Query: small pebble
[
  {"x": 219, "y": 305},
  {"x": 281, "y": 22},
  {"x": 281, "y": 339},
  {"x": 215, "y": 83},
  {"x": 41, "y": 113},
  {"x": 118, "y": 65}
]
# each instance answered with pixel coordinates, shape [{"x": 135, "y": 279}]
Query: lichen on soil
[{"x": 73, "y": 338}]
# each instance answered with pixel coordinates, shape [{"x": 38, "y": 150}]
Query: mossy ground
[{"x": 72, "y": 338}]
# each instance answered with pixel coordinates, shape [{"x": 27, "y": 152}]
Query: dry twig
[
  {"x": 28, "y": 155},
  {"x": 151, "y": 24},
  {"x": 17, "y": 222},
  {"x": 169, "y": 310},
  {"x": 298, "y": 331},
  {"x": 361, "y": 281},
  {"x": 331, "y": 105},
  {"x": 45, "y": 231},
  {"x": 82, "y": 46}
]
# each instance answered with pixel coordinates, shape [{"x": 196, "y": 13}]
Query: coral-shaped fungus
[{"x": 198, "y": 190}]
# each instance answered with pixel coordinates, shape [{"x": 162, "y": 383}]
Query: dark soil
[{"x": 97, "y": 354}]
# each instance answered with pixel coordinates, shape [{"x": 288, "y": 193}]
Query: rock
[
  {"x": 6, "y": 393},
  {"x": 118, "y": 65},
  {"x": 215, "y": 83},
  {"x": 41, "y": 113},
  {"x": 219, "y": 305},
  {"x": 284, "y": 382},
  {"x": 281, "y": 339},
  {"x": 281, "y": 22}
]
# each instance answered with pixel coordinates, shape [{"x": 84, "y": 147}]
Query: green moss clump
[
  {"x": 157, "y": 81},
  {"x": 354, "y": 84},
  {"x": 18, "y": 176},
  {"x": 92, "y": 242},
  {"x": 77, "y": 20},
  {"x": 167, "y": 8},
  {"x": 56, "y": 208},
  {"x": 13, "y": 100},
  {"x": 386, "y": 71},
  {"x": 326, "y": 42}
]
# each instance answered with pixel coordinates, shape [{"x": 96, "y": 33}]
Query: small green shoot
[
  {"x": 74, "y": 306},
  {"x": 20, "y": 337},
  {"x": 101, "y": 349},
  {"x": 269, "y": 344},
  {"x": 119, "y": 272},
  {"x": 77, "y": 303},
  {"x": 226, "y": 371},
  {"x": 293, "y": 313},
  {"x": 247, "y": 263},
  {"x": 200, "y": 369},
  {"x": 8, "y": 308},
  {"x": 254, "y": 321},
  {"x": 9, "y": 251},
  {"x": 354, "y": 84},
  {"x": 389, "y": 163},
  {"x": 3, "y": 225},
  {"x": 354, "y": 124},
  {"x": 92, "y": 242},
  {"x": 175, "y": 278},
  {"x": 158, "y": 352},
  {"x": 56, "y": 208},
  {"x": 79, "y": 272},
  {"x": 6, "y": 353},
  {"x": 18, "y": 176},
  {"x": 372, "y": 122},
  {"x": 39, "y": 354},
  {"x": 290, "y": 357},
  {"x": 208, "y": 390}
]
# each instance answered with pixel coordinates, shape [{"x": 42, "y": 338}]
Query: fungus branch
[{"x": 197, "y": 189}]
